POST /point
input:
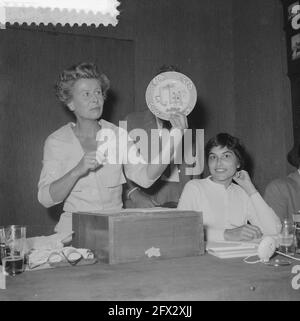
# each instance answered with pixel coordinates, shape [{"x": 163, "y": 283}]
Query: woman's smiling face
[{"x": 222, "y": 164}]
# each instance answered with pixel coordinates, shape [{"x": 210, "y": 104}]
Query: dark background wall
[{"x": 233, "y": 50}]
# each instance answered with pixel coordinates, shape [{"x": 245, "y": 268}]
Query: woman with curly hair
[{"x": 72, "y": 171}]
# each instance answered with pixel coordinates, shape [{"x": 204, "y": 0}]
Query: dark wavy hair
[
  {"x": 165, "y": 68},
  {"x": 231, "y": 142},
  {"x": 83, "y": 70}
]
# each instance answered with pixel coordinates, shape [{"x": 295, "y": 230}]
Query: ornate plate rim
[{"x": 171, "y": 75}]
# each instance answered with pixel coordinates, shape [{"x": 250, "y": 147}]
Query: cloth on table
[{"x": 50, "y": 249}]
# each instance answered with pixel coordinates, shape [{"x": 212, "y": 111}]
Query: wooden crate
[{"x": 136, "y": 234}]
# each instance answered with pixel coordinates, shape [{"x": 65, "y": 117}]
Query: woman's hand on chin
[
  {"x": 243, "y": 233},
  {"x": 243, "y": 179}
]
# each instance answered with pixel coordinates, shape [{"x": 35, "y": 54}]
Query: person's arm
[
  {"x": 157, "y": 166},
  {"x": 276, "y": 199},
  {"x": 137, "y": 198},
  {"x": 61, "y": 188},
  {"x": 259, "y": 213},
  {"x": 263, "y": 215},
  {"x": 55, "y": 185}
]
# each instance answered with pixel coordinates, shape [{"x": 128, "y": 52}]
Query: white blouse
[
  {"x": 98, "y": 190},
  {"x": 226, "y": 208}
]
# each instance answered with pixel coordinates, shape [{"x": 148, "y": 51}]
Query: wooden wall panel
[
  {"x": 197, "y": 37},
  {"x": 262, "y": 103},
  {"x": 30, "y": 64}
]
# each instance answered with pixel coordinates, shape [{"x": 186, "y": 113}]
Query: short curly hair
[
  {"x": 83, "y": 70},
  {"x": 231, "y": 142}
]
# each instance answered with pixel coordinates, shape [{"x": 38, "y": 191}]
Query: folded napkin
[
  {"x": 67, "y": 254},
  {"x": 50, "y": 249}
]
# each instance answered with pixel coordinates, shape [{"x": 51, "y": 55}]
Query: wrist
[
  {"x": 252, "y": 192},
  {"x": 75, "y": 173}
]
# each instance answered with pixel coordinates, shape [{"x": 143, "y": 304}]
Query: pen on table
[{"x": 239, "y": 225}]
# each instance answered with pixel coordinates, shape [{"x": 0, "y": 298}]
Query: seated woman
[
  {"x": 73, "y": 172},
  {"x": 228, "y": 207},
  {"x": 283, "y": 194}
]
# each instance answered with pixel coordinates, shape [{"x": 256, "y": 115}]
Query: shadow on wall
[
  {"x": 55, "y": 211},
  {"x": 196, "y": 118},
  {"x": 109, "y": 111}
]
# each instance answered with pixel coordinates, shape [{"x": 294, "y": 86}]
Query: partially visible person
[
  {"x": 283, "y": 194},
  {"x": 73, "y": 171},
  {"x": 168, "y": 188},
  {"x": 232, "y": 208}
]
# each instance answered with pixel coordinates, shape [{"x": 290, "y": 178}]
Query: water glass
[
  {"x": 13, "y": 259},
  {"x": 2, "y": 244},
  {"x": 286, "y": 238},
  {"x": 296, "y": 219}
]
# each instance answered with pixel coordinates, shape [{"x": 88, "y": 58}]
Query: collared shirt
[
  {"x": 98, "y": 190},
  {"x": 283, "y": 195},
  {"x": 226, "y": 208}
]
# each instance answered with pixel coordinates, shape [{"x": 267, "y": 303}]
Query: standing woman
[
  {"x": 227, "y": 198},
  {"x": 71, "y": 172}
]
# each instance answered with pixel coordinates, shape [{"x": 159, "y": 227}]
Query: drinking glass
[
  {"x": 296, "y": 219},
  {"x": 286, "y": 238},
  {"x": 13, "y": 259},
  {"x": 2, "y": 244}
]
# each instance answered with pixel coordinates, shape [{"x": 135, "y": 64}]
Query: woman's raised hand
[
  {"x": 178, "y": 120},
  {"x": 243, "y": 179},
  {"x": 88, "y": 163}
]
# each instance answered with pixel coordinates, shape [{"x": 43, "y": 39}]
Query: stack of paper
[{"x": 228, "y": 249}]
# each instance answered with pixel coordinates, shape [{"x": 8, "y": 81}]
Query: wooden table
[{"x": 190, "y": 278}]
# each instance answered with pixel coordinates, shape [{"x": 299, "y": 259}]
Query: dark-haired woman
[
  {"x": 228, "y": 208},
  {"x": 72, "y": 171}
]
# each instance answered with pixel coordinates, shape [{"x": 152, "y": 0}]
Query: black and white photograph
[{"x": 150, "y": 153}]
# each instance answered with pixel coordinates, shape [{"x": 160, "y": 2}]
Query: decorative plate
[{"x": 171, "y": 92}]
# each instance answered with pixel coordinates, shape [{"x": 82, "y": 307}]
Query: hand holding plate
[{"x": 178, "y": 120}]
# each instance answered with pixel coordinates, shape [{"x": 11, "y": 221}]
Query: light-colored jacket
[{"x": 98, "y": 190}]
